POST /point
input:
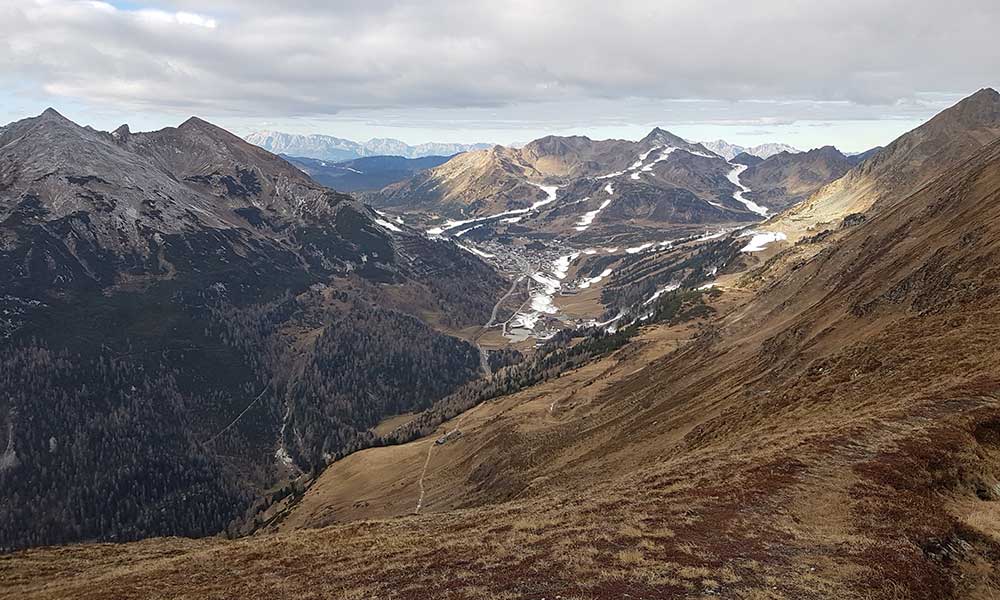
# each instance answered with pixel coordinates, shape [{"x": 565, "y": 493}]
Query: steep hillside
[
  {"x": 905, "y": 165},
  {"x": 744, "y": 158},
  {"x": 826, "y": 427},
  {"x": 484, "y": 182},
  {"x": 189, "y": 320},
  {"x": 575, "y": 156}
]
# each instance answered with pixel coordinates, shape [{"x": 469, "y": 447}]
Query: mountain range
[
  {"x": 501, "y": 179},
  {"x": 329, "y": 148},
  {"x": 820, "y": 420},
  {"x": 729, "y": 151},
  {"x": 199, "y": 338},
  {"x": 661, "y": 180}
]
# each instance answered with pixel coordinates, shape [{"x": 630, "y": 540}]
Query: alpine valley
[{"x": 573, "y": 369}]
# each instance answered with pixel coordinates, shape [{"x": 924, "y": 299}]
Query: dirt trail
[
  {"x": 427, "y": 461},
  {"x": 420, "y": 482}
]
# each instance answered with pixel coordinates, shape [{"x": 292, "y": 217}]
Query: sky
[{"x": 852, "y": 73}]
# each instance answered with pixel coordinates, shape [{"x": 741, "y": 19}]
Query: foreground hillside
[{"x": 831, "y": 430}]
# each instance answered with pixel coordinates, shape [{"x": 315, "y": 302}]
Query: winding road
[{"x": 496, "y": 307}]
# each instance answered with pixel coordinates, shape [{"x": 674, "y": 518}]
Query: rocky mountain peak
[
  {"x": 828, "y": 151},
  {"x": 49, "y": 118},
  {"x": 979, "y": 109},
  {"x": 52, "y": 114},
  {"x": 660, "y": 135},
  {"x": 122, "y": 133},
  {"x": 745, "y": 158},
  {"x": 986, "y": 94},
  {"x": 195, "y": 123},
  {"x": 53, "y": 130},
  {"x": 557, "y": 145}
]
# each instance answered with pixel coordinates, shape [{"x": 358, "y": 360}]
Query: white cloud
[
  {"x": 175, "y": 18},
  {"x": 304, "y": 57}
]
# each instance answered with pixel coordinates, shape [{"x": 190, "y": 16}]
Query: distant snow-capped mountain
[
  {"x": 327, "y": 147},
  {"x": 730, "y": 151}
]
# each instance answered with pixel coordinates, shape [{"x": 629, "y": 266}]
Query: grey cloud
[{"x": 313, "y": 58}]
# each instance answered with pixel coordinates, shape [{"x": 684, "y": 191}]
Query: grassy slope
[{"x": 835, "y": 434}]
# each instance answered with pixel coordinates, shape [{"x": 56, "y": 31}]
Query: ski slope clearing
[
  {"x": 551, "y": 193},
  {"x": 740, "y": 195}
]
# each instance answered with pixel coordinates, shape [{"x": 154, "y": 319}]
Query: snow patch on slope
[
  {"x": 549, "y": 283},
  {"x": 475, "y": 251},
  {"x": 589, "y": 216},
  {"x": 388, "y": 225},
  {"x": 734, "y": 177},
  {"x": 760, "y": 240},
  {"x": 586, "y": 283},
  {"x": 660, "y": 292},
  {"x": 551, "y": 193}
]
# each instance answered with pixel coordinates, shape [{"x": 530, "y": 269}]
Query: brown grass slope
[
  {"x": 834, "y": 435},
  {"x": 482, "y": 182},
  {"x": 902, "y": 167}
]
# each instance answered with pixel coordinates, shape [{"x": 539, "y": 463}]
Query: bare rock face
[{"x": 80, "y": 207}]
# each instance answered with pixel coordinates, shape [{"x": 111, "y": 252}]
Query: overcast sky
[{"x": 851, "y": 73}]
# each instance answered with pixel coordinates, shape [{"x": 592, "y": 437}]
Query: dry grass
[{"x": 793, "y": 450}]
